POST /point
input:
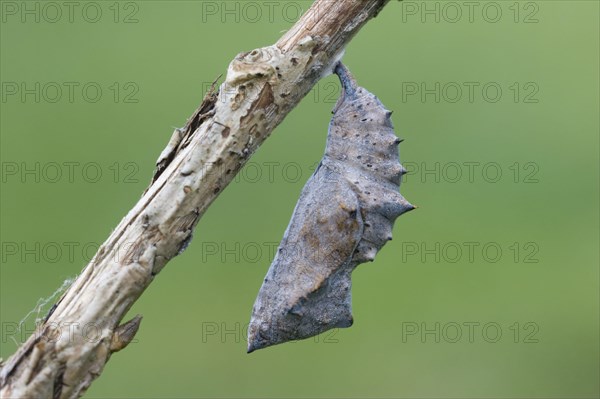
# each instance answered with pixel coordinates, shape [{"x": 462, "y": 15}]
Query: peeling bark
[{"x": 71, "y": 347}]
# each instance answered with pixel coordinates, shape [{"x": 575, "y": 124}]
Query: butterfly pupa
[{"x": 345, "y": 214}]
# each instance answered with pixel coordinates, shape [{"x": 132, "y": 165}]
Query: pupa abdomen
[{"x": 345, "y": 214}]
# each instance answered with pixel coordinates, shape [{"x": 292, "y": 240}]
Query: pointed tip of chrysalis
[
  {"x": 255, "y": 341},
  {"x": 300, "y": 313},
  {"x": 252, "y": 346},
  {"x": 349, "y": 322}
]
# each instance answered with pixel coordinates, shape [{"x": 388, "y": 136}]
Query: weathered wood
[{"x": 70, "y": 348}]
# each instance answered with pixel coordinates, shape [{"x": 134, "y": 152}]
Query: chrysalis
[{"x": 345, "y": 214}]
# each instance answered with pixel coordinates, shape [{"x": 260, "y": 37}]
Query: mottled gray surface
[{"x": 345, "y": 214}]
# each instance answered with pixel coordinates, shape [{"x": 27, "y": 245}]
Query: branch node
[{"x": 124, "y": 334}]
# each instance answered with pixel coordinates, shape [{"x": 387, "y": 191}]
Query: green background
[{"x": 192, "y": 339}]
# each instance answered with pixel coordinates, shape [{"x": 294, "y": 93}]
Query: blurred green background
[{"x": 489, "y": 289}]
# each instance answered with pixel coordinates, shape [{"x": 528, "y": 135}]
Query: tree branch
[{"x": 261, "y": 88}]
